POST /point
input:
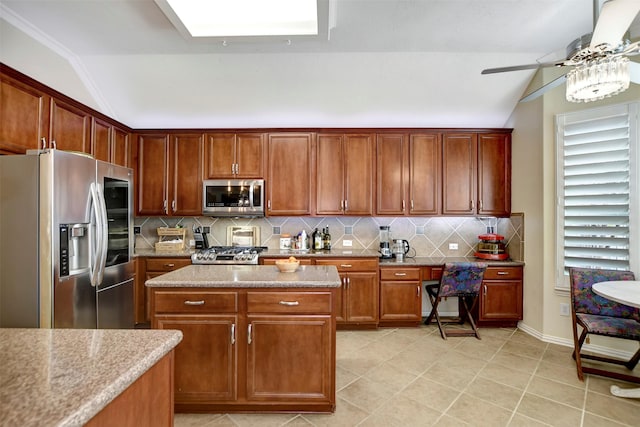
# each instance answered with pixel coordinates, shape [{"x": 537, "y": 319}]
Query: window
[{"x": 598, "y": 190}]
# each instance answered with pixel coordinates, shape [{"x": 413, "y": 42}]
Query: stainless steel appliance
[
  {"x": 227, "y": 255},
  {"x": 66, "y": 242},
  {"x": 233, "y": 197},
  {"x": 385, "y": 242}
]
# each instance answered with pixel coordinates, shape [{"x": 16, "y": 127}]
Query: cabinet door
[
  {"x": 400, "y": 301},
  {"x": 391, "y": 176},
  {"x": 362, "y": 297},
  {"x": 276, "y": 372},
  {"x": 120, "y": 151},
  {"x": 358, "y": 174},
  {"x": 70, "y": 127},
  {"x": 206, "y": 358},
  {"x": 425, "y": 170},
  {"x": 186, "y": 174},
  {"x": 459, "y": 158},
  {"x": 24, "y": 117},
  {"x": 494, "y": 174},
  {"x": 101, "y": 140},
  {"x": 220, "y": 155},
  {"x": 153, "y": 163},
  {"x": 249, "y": 155},
  {"x": 330, "y": 162},
  {"x": 501, "y": 300},
  {"x": 290, "y": 175}
]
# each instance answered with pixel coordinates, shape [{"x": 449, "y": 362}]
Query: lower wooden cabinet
[
  {"x": 148, "y": 268},
  {"x": 501, "y": 297},
  {"x": 252, "y": 349},
  {"x": 400, "y": 296}
]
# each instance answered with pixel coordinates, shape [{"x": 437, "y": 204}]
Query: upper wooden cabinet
[
  {"x": 169, "y": 174},
  {"x": 476, "y": 174},
  {"x": 408, "y": 174},
  {"x": 109, "y": 143},
  {"x": 24, "y": 117},
  {"x": 234, "y": 155},
  {"x": 345, "y": 164},
  {"x": 290, "y": 178},
  {"x": 70, "y": 127}
]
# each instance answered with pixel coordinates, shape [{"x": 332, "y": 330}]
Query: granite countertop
[
  {"x": 423, "y": 261},
  {"x": 64, "y": 377},
  {"x": 352, "y": 253},
  {"x": 248, "y": 276},
  {"x": 184, "y": 253}
]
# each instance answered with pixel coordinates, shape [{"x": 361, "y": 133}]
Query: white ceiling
[{"x": 384, "y": 62}]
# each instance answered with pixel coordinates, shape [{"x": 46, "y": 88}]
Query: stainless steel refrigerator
[{"x": 66, "y": 242}]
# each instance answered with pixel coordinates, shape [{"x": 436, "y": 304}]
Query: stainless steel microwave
[{"x": 233, "y": 197}]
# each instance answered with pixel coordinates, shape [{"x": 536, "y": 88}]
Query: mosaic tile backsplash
[{"x": 427, "y": 236}]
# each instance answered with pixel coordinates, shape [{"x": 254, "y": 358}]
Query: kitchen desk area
[
  {"x": 255, "y": 339},
  {"x": 73, "y": 377}
]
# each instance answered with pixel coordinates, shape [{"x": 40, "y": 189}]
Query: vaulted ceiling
[{"x": 382, "y": 63}]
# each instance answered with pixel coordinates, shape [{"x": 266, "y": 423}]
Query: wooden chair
[
  {"x": 462, "y": 280},
  {"x": 597, "y": 315}
]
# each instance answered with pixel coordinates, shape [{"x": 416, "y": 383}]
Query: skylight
[{"x": 244, "y": 18}]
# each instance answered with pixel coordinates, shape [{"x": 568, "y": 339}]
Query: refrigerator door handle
[
  {"x": 103, "y": 233},
  {"x": 98, "y": 241}
]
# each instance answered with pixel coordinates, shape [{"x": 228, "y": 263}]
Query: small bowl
[{"x": 286, "y": 266}]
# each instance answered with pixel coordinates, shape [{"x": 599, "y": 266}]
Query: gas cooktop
[{"x": 228, "y": 255}]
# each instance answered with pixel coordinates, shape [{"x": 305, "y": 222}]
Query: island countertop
[
  {"x": 64, "y": 377},
  {"x": 248, "y": 276}
]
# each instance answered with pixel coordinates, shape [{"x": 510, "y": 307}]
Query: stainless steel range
[{"x": 227, "y": 255}]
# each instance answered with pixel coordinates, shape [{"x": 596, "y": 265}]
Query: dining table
[{"x": 624, "y": 292}]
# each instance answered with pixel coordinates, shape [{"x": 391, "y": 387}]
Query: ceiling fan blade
[
  {"x": 518, "y": 67},
  {"x": 615, "y": 18},
  {"x": 538, "y": 92},
  {"x": 634, "y": 72}
]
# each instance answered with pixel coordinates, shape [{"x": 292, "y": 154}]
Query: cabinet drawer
[
  {"x": 272, "y": 261},
  {"x": 395, "y": 273},
  {"x": 195, "y": 302},
  {"x": 346, "y": 265},
  {"x": 289, "y": 302},
  {"x": 167, "y": 264},
  {"x": 493, "y": 273}
]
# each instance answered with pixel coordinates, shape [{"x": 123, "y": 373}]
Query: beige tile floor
[{"x": 412, "y": 377}]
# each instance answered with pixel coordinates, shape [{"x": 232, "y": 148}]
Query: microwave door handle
[
  {"x": 97, "y": 243},
  {"x": 104, "y": 230},
  {"x": 251, "y": 187}
]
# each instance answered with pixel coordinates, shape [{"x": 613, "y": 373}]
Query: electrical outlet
[
  {"x": 137, "y": 230},
  {"x": 453, "y": 246},
  {"x": 564, "y": 309},
  {"x": 347, "y": 243}
]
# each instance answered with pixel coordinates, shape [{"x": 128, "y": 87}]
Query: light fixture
[{"x": 598, "y": 78}]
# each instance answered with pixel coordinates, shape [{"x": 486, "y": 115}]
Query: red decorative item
[{"x": 491, "y": 247}]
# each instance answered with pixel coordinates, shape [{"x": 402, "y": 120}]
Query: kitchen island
[
  {"x": 255, "y": 339},
  {"x": 73, "y": 377}
]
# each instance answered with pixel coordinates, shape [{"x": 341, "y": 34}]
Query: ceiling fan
[{"x": 599, "y": 60}]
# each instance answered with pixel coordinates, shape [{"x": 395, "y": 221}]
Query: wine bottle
[{"x": 327, "y": 240}]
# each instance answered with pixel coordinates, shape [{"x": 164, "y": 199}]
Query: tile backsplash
[{"x": 426, "y": 235}]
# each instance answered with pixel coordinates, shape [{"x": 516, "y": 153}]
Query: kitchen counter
[
  {"x": 438, "y": 261},
  {"x": 183, "y": 253},
  {"x": 64, "y": 377},
  {"x": 344, "y": 252},
  {"x": 248, "y": 276}
]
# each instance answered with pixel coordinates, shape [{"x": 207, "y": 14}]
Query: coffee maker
[{"x": 385, "y": 242}]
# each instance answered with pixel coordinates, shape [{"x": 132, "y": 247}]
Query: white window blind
[{"x": 596, "y": 181}]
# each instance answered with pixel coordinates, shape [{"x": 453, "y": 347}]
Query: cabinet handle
[
  {"x": 472, "y": 205},
  {"x": 269, "y": 204},
  {"x": 402, "y": 204},
  {"x": 418, "y": 291},
  {"x": 187, "y": 302},
  {"x": 233, "y": 168},
  {"x": 346, "y": 205},
  {"x": 173, "y": 205},
  {"x": 341, "y": 205},
  {"x": 233, "y": 333},
  {"x": 400, "y": 274},
  {"x": 169, "y": 265},
  {"x": 289, "y": 303},
  {"x": 346, "y": 265},
  {"x": 164, "y": 206},
  {"x": 53, "y": 144},
  {"x": 484, "y": 290},
  {"x": 480, "y": 204},
  {"x": 503, "y": 273},
  {"x": 237, "y": 168},
  {"x": 348, "y": 281},
  {"x": 249, "y": 334},
  {"x": 44, "y": 143},
  {"x": 411, "y": 204}
]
